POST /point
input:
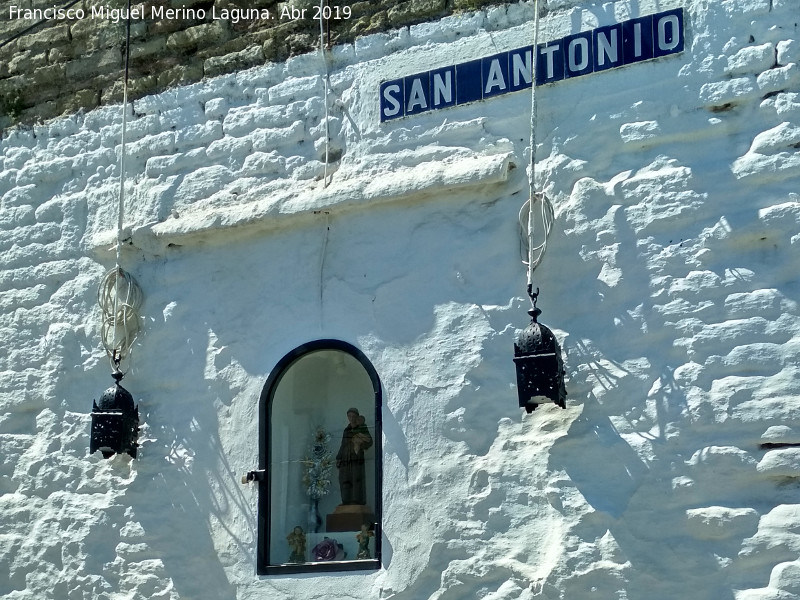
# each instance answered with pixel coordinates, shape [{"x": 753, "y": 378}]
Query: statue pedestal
[{"x": 349, "y": 517}]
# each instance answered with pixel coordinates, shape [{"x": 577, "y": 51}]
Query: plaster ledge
[{"x": 420, "y": 182}]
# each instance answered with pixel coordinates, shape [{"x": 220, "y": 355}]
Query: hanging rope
[
  {"x": 534, "y": 73},
  {"x": 534, "y": 252},
  {"x": 325, "y": 83},
  {"x": 531, "y": 253},
  {"x": 118, "y": 295},
  {"x": 120, "y": 299},
  {"x": 121, "y": 207},
  {"x": 322, "y": 255}
]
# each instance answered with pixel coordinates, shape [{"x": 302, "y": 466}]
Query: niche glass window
[{"x": 319, "y": 502}]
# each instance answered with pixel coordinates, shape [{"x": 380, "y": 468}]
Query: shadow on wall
[
  {"x": 186, "y": 492},
  {"x": 197, "y": 517},
  {"x": 178, "y": 496},
  {"x": 487, "y": 396},
  {"x": 633, "y": 520},
  {"x": 603, "y": 467}
]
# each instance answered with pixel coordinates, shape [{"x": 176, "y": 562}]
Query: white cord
[
  {"x": 120, "y": 299},
  {"x": 120, "y": 207},
  {"x": 325, "y": 82},
  {"x": 535, "y": 253},
  {"x": 322, "y": 254},
  {"x": 118, "y": 295},
  {"x": 531, "y": 255},
  {"x": 534, "y": 73}
]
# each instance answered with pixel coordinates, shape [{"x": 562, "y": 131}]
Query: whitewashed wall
[{"x": 671, "y": 279}]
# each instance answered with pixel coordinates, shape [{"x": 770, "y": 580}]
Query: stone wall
[
  {"x": 63, "y": 65},
  {"x": 670, "y": 280}
]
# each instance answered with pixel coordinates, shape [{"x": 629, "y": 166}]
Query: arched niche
[{"x": 320, "y": 449}]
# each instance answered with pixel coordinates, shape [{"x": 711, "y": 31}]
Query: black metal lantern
[
  {"x": 115, "y": 421},
  {"x": 540, "y": 369}
]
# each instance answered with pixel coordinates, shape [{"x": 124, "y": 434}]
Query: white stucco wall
[{"x": 670, "y": 278}]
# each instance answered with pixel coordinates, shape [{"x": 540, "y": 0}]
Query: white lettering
[
  {"x": 442, "y": 87},
  {"x": 416, "y": 97},
  {"x": 51, "y": 14},
  {"x": 495, "y": 78},
  {"x": 188, "y": 14},
  {"x": 574, "y": 65},
  {"x": 549, "y": 51},
  {"x": 571, "y": 56},
  {"x": 394, "y": 102},
  {"x": 606, "y": 47},
  {"x": 663, "y": 44},
  {"x": 520, "y": 68},
  {"x": 637, "y": 39},
  {"x": 290, "y": 12},
  {"x": 234, "y": 15}
]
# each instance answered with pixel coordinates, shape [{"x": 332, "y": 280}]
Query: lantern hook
[
  {"x": 533, "y": 312},
  {"x": 533, "y": 295}
]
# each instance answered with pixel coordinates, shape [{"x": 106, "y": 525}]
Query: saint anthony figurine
[
  {"x": 363, "y": 542},
  {"x": 297, "y": 545},
  {"x": 350, "y": 459}
]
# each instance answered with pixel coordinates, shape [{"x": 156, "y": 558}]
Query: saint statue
[{"x": 350, "y": 459}]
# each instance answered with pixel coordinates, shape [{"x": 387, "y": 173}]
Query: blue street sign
[{"x": 575, "y": 55}]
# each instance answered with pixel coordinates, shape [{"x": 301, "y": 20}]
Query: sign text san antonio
[{"x": 575, "y": 55}]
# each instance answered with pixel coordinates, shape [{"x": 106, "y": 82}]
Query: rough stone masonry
[{"x": 56, "y": 62}]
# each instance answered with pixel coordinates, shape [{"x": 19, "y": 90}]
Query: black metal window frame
[{"x": 265, "y": 493}]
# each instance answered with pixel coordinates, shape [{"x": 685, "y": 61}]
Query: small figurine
[
  {"x": 363, "y": 542},
  {"x": 297, "y": 544}
]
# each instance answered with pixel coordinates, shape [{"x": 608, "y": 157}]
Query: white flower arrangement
[{"x": 318, "y": 464}]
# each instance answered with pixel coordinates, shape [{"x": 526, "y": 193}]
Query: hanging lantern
[
  {"x": 537, "y": 355},
  {"x": 115, "y": 418},
  {"x": 115, "y": 422},
  {"x": 540, "y": 369}
]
